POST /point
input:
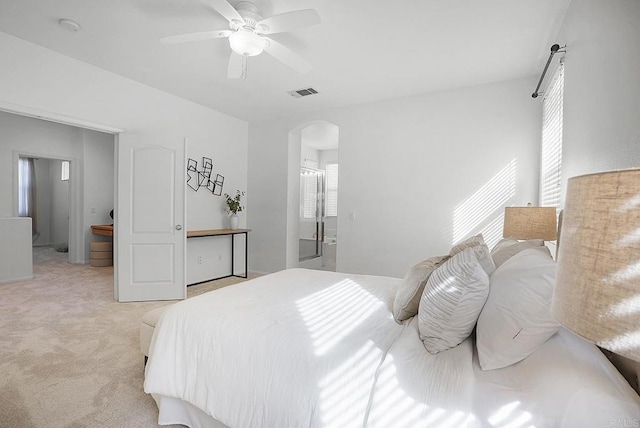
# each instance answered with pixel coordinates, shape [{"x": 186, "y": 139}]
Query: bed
[{"x": 306, "y": 348}]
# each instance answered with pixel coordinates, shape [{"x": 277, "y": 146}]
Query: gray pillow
[
  {"x": 451, "y": 302},
  {"x": 408, "y": 295}
]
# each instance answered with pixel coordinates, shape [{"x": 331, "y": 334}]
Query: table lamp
[
  {"x": 530, "y": 223},
  {"x": 597, "y": 294}
]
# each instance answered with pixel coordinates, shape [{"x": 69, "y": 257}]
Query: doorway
[
  {"x": 44, "y": 195},
  {"x": 318, "y": 201},
  {"x": 78, "y": 162}
]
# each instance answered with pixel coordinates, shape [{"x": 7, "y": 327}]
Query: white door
[{"x": 149, "y": 232}]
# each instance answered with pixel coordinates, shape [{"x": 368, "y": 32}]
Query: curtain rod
[{"x": 554, "y": 50}]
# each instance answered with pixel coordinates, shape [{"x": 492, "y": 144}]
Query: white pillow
[
  {"x": 451, "y": 301},
  {"x": 480, "y": 248},
  {"x": 408, "y": 295},
  {"x": 517, "y": 318},
  {"x": 504, "y": 243},
  {"x": 484, "y": 258},
  {"x": 469, "y": 242},
  {"x": 509, "y": 247}
]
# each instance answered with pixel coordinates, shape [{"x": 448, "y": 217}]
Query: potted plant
[{"x": 234, "y": 206}]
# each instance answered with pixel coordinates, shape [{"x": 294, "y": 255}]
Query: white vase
[{"x": 234, "y": 220}]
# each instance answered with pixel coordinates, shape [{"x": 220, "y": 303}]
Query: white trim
[{"x": 58, "y": 118}]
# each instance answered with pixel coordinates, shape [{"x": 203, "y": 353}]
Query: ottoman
[{"x": 148, "y": 324}]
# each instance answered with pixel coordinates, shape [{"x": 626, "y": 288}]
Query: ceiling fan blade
[
  {"x": 234, "y": 70},
  {"x": 288, "y": 21},
  {"x": 286, "y": 56},
  {"x": 224, "y": 8},
  {"x": 195, "y": 37}
]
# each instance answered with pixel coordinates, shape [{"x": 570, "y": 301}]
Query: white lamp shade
[{"x": 597, "y": 294}]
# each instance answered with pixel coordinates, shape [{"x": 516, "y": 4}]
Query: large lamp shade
[{"x": 597, "y": 294}]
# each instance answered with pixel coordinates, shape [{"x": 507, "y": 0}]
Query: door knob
[{"x": 178, "y": 227}]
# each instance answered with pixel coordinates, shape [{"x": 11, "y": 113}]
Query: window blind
[
  {"x": 332, "y": 190},
  {"x": 551, "y": 152},
  {"x": 309, "y": 190}
]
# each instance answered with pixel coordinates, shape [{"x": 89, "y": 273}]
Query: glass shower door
[{"x": 311, "y": 213}]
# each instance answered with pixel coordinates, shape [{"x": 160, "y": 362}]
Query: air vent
[{"x": 298, "y": 93}]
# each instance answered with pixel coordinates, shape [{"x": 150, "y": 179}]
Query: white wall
[
  {"x": 405, "y": 166},
  {"x": 59, "y": 207},
  {"x": 602, "y": 86},
  {"x": 16, "y": 261},
  {"x": 42, "y": 80},
  {"x": 42, "y": 173}
]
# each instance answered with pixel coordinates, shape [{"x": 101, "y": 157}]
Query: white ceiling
[{"x": 364, "y": 50}]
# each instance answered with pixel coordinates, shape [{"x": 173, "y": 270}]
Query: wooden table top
[
  {"x": 215, "y": 232},
  {"x": 102, "y": 229}
]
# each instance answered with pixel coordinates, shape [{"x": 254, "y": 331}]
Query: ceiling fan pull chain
[{"x": 244, "y": 68}]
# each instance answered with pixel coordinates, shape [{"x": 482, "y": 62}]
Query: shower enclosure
[{"x": 311, "y": 213}]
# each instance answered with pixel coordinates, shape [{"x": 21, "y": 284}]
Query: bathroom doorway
[
  {"x": 318, "y": 218},
  {"x": 44, "y": 195},
  {"x": 73, "y": 172}
]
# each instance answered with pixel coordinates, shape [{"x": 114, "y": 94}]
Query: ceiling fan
[{"x": 246, "y": 34}]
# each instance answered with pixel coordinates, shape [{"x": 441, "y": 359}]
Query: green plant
[{"x": 234, "y": 205}]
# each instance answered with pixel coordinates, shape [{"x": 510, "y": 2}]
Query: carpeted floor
[{"x": 69, "y": 354}]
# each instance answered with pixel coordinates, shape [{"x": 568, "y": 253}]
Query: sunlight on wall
[
  {"x": 492, "y": 232},
  {"x": 329, "y": 314},
  {"x": 479, "y": 209},
  {"x": 392, "y": 406}
]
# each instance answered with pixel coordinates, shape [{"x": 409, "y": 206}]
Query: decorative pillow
[
  {"x": 484, "y": 258},
  {"x": 501, "y": 254},
  {"x": 451, "y": 302},
  {"x": 481, "y": 249},
  {"x": 517, "y": 318},
  {"x": 469, "y": 242},
  {"x": 503, "y": 243},
  {"x": 408, "y": 295}
]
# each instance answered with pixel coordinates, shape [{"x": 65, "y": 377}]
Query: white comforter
[
  {"x": 298, "y": 348},
  {"x": 305, "y": 348}
]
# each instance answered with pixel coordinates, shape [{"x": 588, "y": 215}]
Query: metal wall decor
[{"x": 202, "y": 178}]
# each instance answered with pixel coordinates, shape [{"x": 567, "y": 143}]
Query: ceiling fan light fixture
[{"x": 246, "y": 43}]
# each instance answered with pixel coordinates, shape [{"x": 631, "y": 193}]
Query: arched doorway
[{"x": 313, "y": 229}]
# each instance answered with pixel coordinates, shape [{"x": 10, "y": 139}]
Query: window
[
  {"x": 551, "y": 153},
  {"x": 308, "y": 193},
  {"x": 332, "y": 190},
  {"x": 65, "y": 171}
]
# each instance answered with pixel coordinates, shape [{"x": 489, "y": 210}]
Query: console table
[
  {"x": 226, "y": 232},
  {"x": 102, "y": 229}
]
